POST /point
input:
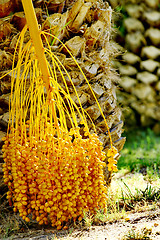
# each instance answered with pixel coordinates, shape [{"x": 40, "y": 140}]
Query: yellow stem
[
  {"x": 36, "y": 38},
  {"x": 35, "y": 34}
]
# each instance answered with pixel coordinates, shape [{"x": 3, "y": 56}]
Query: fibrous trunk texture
[
  {"x": 84, "y": 27},
  {"x": 139, "y": 67}
]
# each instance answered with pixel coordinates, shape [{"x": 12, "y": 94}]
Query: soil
[
  {"x": 115, "y": 230},
  {"x": 149, "y": 220},
  {"x": 143, "y": 217}
]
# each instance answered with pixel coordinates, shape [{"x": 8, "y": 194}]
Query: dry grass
[{"x": 124, "y": 197}]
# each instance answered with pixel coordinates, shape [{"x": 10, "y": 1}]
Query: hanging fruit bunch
[{"x": 54, "y": 172}]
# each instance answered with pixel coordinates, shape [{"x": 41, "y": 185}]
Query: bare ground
[
  {"x": 149, "y": 220},
  {"x": 140, "y": 219}
]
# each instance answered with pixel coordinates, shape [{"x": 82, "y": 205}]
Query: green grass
[
  {"x": 143, "y": 234},
  {"x": 141, "y": 152},
  {"x": 139, "y": 197}
]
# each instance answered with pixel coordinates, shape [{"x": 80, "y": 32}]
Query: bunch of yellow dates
[{"x": 54, "y": 179}]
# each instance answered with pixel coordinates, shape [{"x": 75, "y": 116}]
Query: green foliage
[
  {"x": 120, "y": 10},
  {"x": 144, "y": 234},
  {"x": 141, "y": 152},
  {"x": 130, "y": 199}
]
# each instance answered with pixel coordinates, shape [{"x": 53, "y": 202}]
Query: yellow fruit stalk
[{"x": 54, "y": 173}]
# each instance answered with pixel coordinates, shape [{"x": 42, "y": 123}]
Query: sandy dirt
[{"x": 109, "y": 231}]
